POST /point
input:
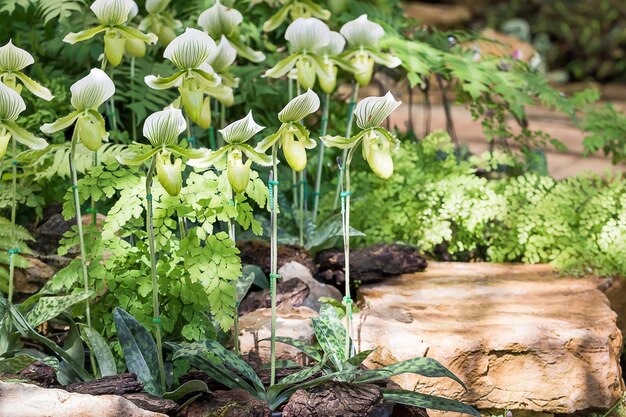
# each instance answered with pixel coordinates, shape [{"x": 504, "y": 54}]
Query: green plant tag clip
[{"x": 271, "y": 185}]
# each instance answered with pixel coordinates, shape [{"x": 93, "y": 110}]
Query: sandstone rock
[
  {"x": 255, "y": 326},
  {"x": 520, "y": 337},
  {"x": 291, "y": 293},
  {"x": 257, "y": 252},
  {"x": 27, "y": 400},
  {"x": 316, "y": 289},
  {"x": 30, "y": 280}
]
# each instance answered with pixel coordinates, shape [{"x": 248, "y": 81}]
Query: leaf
[
  {"x": 331, "y": 335},
  {"x": 48, "y": 308},
  {"x": 195, "y": 385},
  {"x": 312, "y": 351},
  {"x": 358, "y": 359},
  {"x": 16, "y": 363},
  {"x": 260, "y": 279},
  {"x": 98, "y": 345},
  {"x": 140, "y": 351},
  {"x": 243, "y": 285},
  {"x": 422, "y": 366},
  {"x": 417, "y": 399}
]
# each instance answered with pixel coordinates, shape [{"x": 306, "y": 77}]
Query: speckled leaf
[
  {"x": 331, "y": 335},
  {"x": 48, "y": 308},
  {"x": 98, "y": 345},
  {"x": 358, "y": 359},
  {"x": 421, "y": 366},
  {"x": 140, "y": 352},
  {"x": 228, "y": 358},
  {"x": 16, "y": 363},
  {"x": 243, "y": 285},
  {"x": 417, "y": 399},
  {"x": 312, "y": 351}
]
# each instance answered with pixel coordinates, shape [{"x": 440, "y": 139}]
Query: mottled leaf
[
  {"x": 100, "y": 349},
  {"x": 417, "y": 399},
  {"x": 312, "y": 351},
  {"x": 422, "y": 366},
  {"x": 331, "y": 335},
  {"x": 48, "y": 308}
]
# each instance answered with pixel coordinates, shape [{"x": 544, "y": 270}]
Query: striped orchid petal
[
  {"x": 112, "y": 12},
  {"x": 307, "y": 34},
  {"x": 300, "y": 107},
  {"x": 336, "y": 43},
  {"x": 241, "y": 130},
  {"x": 13, "y": 58},
  {"x": 92, "y": 91},
  {"x": 362, "y": 32},
  {"x": 222, "y": 56},
  {"x": 372, "y": 111},
  {"x": 163, "y": 127},
  {"x": 190, "y": 49},
  {"x": 11, "y": 104},
  {"x": 219, "y": 20}
]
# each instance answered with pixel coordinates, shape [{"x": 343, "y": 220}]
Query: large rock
[
  {"x": 521, "y": 337},
  {"x": 27, "y": 400},
  {"x": 293, "y": 322},
  {"x": 317, "y": 290},
  {"x": 30, "y": 280}
]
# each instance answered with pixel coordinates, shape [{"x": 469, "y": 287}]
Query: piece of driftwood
[
  {"x": 290, "y": 293},
  {"x": 370, "y": 264},
  {"x": 233, "y": 403},
  {"x": 334, "y": 399},
  {"x": 152, "y": 403},
  {"x": 41, "y": 373},
  {"x": 257, "y": 252},
  {"x": 114, "y": 384}
]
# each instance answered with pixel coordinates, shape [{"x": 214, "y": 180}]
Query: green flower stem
[
  {"x": 81, "y": 237},
  {"x": 236, "y": 329},
  {"x": 133, "y": 115},
  {"x": 153, "y": 272},
  {"x": 320, "y": 157},
  {"x": 345, "y": 196},
  {"x": 13, "y": 218},
  {"x": 233, "y": 237},
  {"x": 274, "y": 260},
  {"x": 93, "y": 209},
  {"x": 222, "y": 117},
  {"x": 212, "y": 127},
  {"x": 355, "y": 95},
  {"x": 301, "y": 183},
  {"x": 294, "y": 189}
]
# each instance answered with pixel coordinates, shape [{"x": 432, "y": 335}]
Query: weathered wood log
[
  {"x": 290, "y": 293},
  {"x": 334, "y": 399},
  {"x": 370, "y": 264},
  {"x": 257, "y": 252},
  {"x": 152, "y": 403},
  {"x": 235, "y": 403},
  {"x": 114, "y": 384}
]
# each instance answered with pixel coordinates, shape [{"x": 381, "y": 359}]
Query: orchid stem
[
  {"x": 133, "y": 114},
  {"x": 345, "y": 211},
  {"x": 274, "y": 261},
  {"x": 320, "y": 157},
  {"x": 355, "y": 95},
  {"x": 153, "y": 272},
  {"x": 13, "y": 219},
  {"x": 81, "y": 238}
]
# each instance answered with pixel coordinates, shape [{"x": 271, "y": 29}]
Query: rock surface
[
  {"x": 520, "y": 337},
  {"x": 30, "y": 280},
  {"x": 291, "y": 293},
  {"x": 317, "y": 290},
  {"x": 27, "y": 400},
  {"x": 255, "y": 326}
]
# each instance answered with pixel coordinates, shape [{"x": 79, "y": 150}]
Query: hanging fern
[
  {"x": 21, "y": 236},
  {"x": 50, "y": 10}
]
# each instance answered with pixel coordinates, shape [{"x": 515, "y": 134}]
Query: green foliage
[
  {"x": 605, "y": 129},
  {"x": 445, "y": 207}
]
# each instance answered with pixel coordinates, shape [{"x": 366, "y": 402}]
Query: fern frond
[{"x": 50, "y": 10}]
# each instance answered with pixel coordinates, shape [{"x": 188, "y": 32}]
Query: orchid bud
[
  {"x": 328, "y": 82},
  {"x": 166, "y": 35},
  {"x": 136, "y": 48},
  {"x": 114, "y": 48},
  {"x": 306, "y": 73},
  {"x": 294, "y": 150},
  {"x": 365, "y": 68},
  {"x": 170, "y": 175},
  {"x": 238, "y": 171},
  {"x": 90, "y": 131}
]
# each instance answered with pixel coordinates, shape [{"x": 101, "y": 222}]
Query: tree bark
[
  {"x": 334, "y": 399},
  {"x": 114, "y": 384}
]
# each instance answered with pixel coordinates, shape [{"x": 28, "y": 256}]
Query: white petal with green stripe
[
  {"x": 11, "y": 104},
  {"x": 362, "y": 32},
  {"x": 300, "y": 107},
  {"x": 190, "y": 49},
  {"x": 336, "y": 43},
  {"x": 112, "y": 12},
  {"x": 241, "y": 130},
  {"x": 219, "y": 20},
  {"x": 371, "y": 111},
  {"x": 92, "y": 91},
  {"x": 307, "y": 34},
  {"x": 13, "y": 58},
  {"x": 222, "y": 56},
  {"x": 163, "y": 127}
]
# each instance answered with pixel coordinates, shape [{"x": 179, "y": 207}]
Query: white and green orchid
[
  {"x": 293, "y": 9},
  {"x": 221, "y": 59},
  {"x": 162, "y": 130},
  {"x": 190, "y": 52},
  {"x": 330, "y": 56},
  {"x": 378, "y": 142},
  {"x": 160, "y": 21},
  {"x": 292, "y": 136},
  {"x": 236, "y": 135},
  {"x": 11, "y": 105},
  {"x": 219, "y": 20},
  {"x": 12, "y": 61},
  {"x": 363, "y": 36},
  {"x": 306, "y": 36},
  {"x": 88, "y": 94},
  {"x": 112, "y": 16}
]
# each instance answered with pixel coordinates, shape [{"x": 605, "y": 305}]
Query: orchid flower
[
  {"x": 189, "y": 52},
  {"x": 220, "y": 59},
  {"x": 363, "y": 36},
  {"x": 112, "y": 16},
  {"x": 162, "y": 130},
  {"x": 12, "y": 61},
  {"x": 219, "y": 20},
  {"x": 236, "y": 135},
  {"x": 305, "y": 36},
  {"x": 330, "y": 56},
  {"x": 160, "y": 21},
  {"x": 88, "y": 94},
  {"x": 377, "y": 141},
  {"x": 292, "y": 136},
  {"x": 294, "y": 9},
  {"x": 11, "y": 105}
]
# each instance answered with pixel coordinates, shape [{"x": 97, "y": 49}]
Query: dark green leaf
[
  {"x": 358, "y": 359},
  {"x": 100, "y": 349},
  {"x": 417, "y": 399},
  {"x": 48, "y": 308},
  {"x": 312, "y": 351},
  {"x": 195, "y": 385},
  {"x": 243, "y": 285},
  {"x": 421, "y": 366},
  {"x": 331, "y": 335},
  {"x": 260, "y": 279}
]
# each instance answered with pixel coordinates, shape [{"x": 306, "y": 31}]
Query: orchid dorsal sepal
[
  {"x": 300, "y": 107},
  {"x": 223, "y": 56},
  {"x": 12, "y": 61},
  {"x": 222, "y": 21},
  {"x": 295, "y": 9},
  {"x": 242, "y": 130},
  {"x": 372, "y": 111},
  {"x": 112, "y": 16},
  {"x": 11, "y": 105},
  {"x": 164, "y": 127}
]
